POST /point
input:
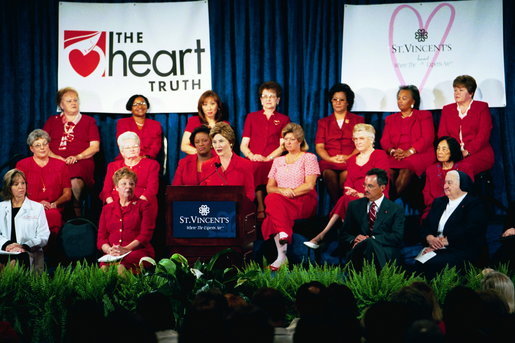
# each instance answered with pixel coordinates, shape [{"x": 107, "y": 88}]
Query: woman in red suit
[
  {"x": 74, "y": 140},
  {"x": 449, "y": 156},
  {"x": 127, "y": 224},
  {"x": 190, "y": 167},
  {"x": 209, "y": 113},
  {"x": 147, "y": 170},
  {"x": 227, "y": 168},
  {"x": 48, "y": 180},
  {"x": 291, "y": 191},
  {"x": 333, "y": 140},
  {"x": 148, "y": 130},
  {"x": 261, "y": 141},
  {"x": 470, "y": 123},
  {"x": 408, "y": 139},
  {"x": 357, "y": 166}
]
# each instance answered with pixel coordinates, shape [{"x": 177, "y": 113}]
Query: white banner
[
  {"x": 109, "y": 52},
  {"x": 424, "y": 44}
]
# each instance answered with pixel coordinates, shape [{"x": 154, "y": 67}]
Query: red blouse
[
  {"x": 238, "y": 173},
  {"x": 264, "y": 133},
  {"x": 336, "y": 140},
  {"x": 45, "y": 183},
  {"x": 416, "y": 131},
  {"x": 147, "y": 171}
]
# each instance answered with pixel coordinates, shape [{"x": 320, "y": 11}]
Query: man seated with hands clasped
[{"x": 374, "y": 225}]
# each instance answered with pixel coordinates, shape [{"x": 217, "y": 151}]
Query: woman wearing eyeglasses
[
  {"x": 48, "y": 179},
  {"x": 74, "y": 139},
  {"x": 148, "y": 130},
  {"x": 333, "y": 140},
  {"x": 146, "y": 169},
  {"x": 261, "y": 141}
]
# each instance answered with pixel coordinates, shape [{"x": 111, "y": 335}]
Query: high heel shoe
[
  {"x": 311, "y": 245},
  {"x": 274, "y": 268}
]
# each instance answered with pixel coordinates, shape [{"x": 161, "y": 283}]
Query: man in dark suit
[
  {"x": 373, "y": 227},
  {"x": 455, "y": 227}
]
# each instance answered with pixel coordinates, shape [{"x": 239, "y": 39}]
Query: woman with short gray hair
[{"x": 48, "y": 179}]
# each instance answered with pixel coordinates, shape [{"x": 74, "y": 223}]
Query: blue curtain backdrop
[{"x": 295, "y": 42}]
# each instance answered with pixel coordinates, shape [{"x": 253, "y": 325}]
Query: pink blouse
[{"x": 292, "y": 175}]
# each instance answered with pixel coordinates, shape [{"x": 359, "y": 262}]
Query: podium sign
[{"x": 204, "y": 219}]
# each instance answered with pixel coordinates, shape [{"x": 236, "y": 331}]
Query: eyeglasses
[
  {"x": 39, "y": 145},
  {"x": 143, "y": 103},
  {"x": 130, "y": 147},
  {"x": 264, "y": 97},
  {"x": 338, "y": 100},
  {"x": 69, "y": 101}
]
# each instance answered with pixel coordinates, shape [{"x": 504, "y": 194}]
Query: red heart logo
[{"x": 84, "y": 65}]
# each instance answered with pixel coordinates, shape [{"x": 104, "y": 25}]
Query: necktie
[{"x": 372, "y": 216}]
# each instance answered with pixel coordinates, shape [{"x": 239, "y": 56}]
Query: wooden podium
[{"x": 203, "y": 248}]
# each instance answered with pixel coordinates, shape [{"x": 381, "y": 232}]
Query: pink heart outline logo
[{"x": 424, "y": 27}]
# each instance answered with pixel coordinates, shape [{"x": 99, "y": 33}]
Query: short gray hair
[
  {"x": 37, "y": 134},
  {"x": 127, "y": 135}
]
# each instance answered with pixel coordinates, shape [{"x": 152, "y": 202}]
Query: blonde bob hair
[{"x": 298, "y": 133}]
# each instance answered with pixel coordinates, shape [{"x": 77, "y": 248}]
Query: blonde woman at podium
[
  {"x": 291, "y": 191},
  {"x": 227, "y": 168}
]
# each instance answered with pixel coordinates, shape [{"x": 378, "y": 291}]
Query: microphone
[{"x": 217, "y": 165}]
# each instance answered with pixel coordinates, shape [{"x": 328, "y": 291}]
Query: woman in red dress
[
  {"x": 190, "y": 167},
  {"x": 357, "y": 166},
  {"x": 74, "y": 140},
  {"x": 408, "y": 139},
  {"x": 333, "y": 140},
  {"x": 127, "y": 224},
  {"x": 261, "y": 141},
  {"x": 146, "y": 169},
  {"x": 449, "y": 156},
  {"x": 470, "y": 123},
  {"x": 209, "y": 113},
  {"x": 291, "y": 191},
  {"x": 227, "y": 168},
  {"x": 148, "y": 130},
  {"x": 48, "y": 180}
]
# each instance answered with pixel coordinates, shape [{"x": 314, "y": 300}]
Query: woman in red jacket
[
  {"x": 470, "y": 123},
  {"x": 408, "y": 138},
  {"x": 127, "y": 224},
  {"x": 333, "y": 140},
  {"x": 148, "y": 130}
]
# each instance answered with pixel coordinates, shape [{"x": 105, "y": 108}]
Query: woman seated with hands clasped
[
  {"x": 48, "y": 179},
  {"x": 291, "y": 191},
  {"x": 333, "y": 140},
  {"x": 23, "y": 225},
  {"x": 408, "y": 139},
  {"x": 126, "y": 224}
]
